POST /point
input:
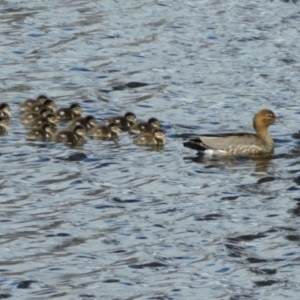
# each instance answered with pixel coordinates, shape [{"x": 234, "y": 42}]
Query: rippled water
[{"x": 116, "y": 221}]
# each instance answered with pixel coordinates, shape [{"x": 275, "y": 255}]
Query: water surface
[{"x": 116, "y": 221}]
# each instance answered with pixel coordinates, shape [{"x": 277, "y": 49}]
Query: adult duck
[{"x": 260, "y": 143}]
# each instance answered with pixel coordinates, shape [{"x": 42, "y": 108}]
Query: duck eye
[{"x": 270, "y": 116}]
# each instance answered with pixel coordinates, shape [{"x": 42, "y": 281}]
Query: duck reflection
[{"x": 261, "y": 163}]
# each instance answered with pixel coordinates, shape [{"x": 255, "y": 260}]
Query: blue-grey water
[{"x": 117, "y": 221}]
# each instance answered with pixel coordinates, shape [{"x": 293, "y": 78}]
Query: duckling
[
  {"x": 28, "y": 117},
  {"x": 67, "y": 114},
  {"x": 37, "y": 122},
  {"x": 111, "y": 131},
  {"x": 87, "y": 123},
  {"x": 46, "y": 132},
  {"x": 50, "y": 104},
  {"x": 5, "y": 111},
  {"x": 148, "y": 127},
  {"x": 74, "y": 137},
  {"x": 27, "y": 104},
  {"x": 3, "y": 125},
  {"x": 125, "y": 122},
  {"x": 156, "y": 138}
]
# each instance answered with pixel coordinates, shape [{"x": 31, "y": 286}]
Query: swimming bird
[
  {"x": 5, "y": 111},
  {"x": 125, "y": 122},
  {"x": 239, "y": 143},
  {"x": 74, "y": 137},
  {"x": 28, "y": 117},
  {"x": 149, "y": 126},
  {"x": 156, "y": 138},
  {"x": 70, "y": 113},
  {"x": 87, "y": 123},
  {"x": 39, "y": 121},
  {"x": 111, "y": 131},
  {"x": 46, "y": 132},
  {"x": 3, "y": 125},
  {"x": 28, "y": 103},
  {"x": 50, "y": 104}
]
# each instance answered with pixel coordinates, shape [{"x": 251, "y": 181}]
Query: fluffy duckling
[
  {"x": 74, "y": 137},
  {"x": 111, "y": 131},
  {"x": 27, "y": 104},
  {"x": 3, "y": 125},
  {"x": 125, "y": 122},
  {"x": 5, "y": 111},
  {"x": 50, "y": 104},
  {"x": 156, "y": 138},
  {"x": 87, "y": 123},
  {"x": 28, "y": 117},
  {"x": 46, "y": 132},
  {"x": 148, "y": 127},
  {"x": 67, "y": 114},
  {"x": 38, "y": 122}
]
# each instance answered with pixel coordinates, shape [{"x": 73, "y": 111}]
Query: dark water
[{"x": 115, "y": 221}]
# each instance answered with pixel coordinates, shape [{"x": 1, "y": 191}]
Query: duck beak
[{"x": 277, "y": 120}]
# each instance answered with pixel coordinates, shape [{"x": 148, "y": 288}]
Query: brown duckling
[
  {"x": 29, "y": 117},
  {"x": 46, "y": 132},
  {"x": 50, "y": 104},
  {"x": 156, "y": 138},
  {"x": 111, "y": 131},
  {"x": 125, "y": 122},
  {"x": 38, "y": 122},
  {"x": 87, "y": 123},
  {"x": 74, "y": 137},
  {"x": 5, "y": 111},
  {"x": 3, "y": 125},
  {"x": 67, "y": 114},
  {"x": 148, "y": 127},
  {"x": 27, "y": 104}
]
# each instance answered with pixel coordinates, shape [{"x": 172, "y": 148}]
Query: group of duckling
[{"x": 42, "y": 117}]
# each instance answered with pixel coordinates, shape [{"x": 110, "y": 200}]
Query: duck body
[
  {"x": 67, "y": 114},
  {"x": 39, "y": 121},
  {"x": 3, "y": 125},
  {"x": 5, "y": 111},
  {"x": 46, "y": 132},
  {"x": 146, "y": 127},
  {"x": 50, "y": 104},
  {"x": 260, "y": 143},
  {"x": 87, "y": 123},
  {"x": 27, "y": 104},
  {"x": 74, "y": 137},
  {"x": 28, "y": 117},
  {"x": 111, "y": 131},
  {"x": 156, "y": 138},
  {"x": 125, "y": 122}
]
